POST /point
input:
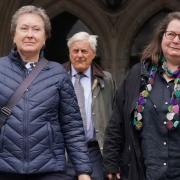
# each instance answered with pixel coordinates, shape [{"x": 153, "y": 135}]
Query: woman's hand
[
  {"x": 84, "y": 177},
  {"x": 113, "y": 176}
]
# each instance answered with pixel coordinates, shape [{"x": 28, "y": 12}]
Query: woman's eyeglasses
[{"x": 170, "y": 35}]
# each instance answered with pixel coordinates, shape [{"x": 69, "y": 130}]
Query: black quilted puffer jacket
[{"x": 43, "y": 123}]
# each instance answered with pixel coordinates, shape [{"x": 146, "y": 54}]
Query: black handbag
[{"x": 5, "y": 111}]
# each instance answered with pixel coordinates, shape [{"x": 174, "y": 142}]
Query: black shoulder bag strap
[{"x": 5, "y": 111}]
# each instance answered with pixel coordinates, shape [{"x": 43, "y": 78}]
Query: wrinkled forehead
[
  {"x": 81, "y": 44},
  {"x": 30, "y": 17},
  {"x": 174, "y": 25}
]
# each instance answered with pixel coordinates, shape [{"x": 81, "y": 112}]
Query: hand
[
  {"x": 113, "y": 176},
  {"x": 84, "y": 177}
]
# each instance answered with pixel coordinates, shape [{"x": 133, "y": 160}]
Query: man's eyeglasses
[{"x": 170, "y": 35}]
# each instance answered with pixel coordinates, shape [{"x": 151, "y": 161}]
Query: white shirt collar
[
  {"x": 87, "y": 72},
  {"x": 29, "y": 65}
]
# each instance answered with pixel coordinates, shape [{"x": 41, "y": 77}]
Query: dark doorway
[
  {"x": 63, "y": 26},
  {"x": 144, "y": 36}
]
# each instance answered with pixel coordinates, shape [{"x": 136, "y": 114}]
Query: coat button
[{"x": 164, "y": 164}]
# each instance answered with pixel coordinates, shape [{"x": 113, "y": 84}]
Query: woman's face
[
  {"x": 29, "y": 35},
  {"x": 171, "y": 43}
]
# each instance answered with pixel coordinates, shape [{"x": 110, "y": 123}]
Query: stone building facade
[{"x": 123, "y": 27}]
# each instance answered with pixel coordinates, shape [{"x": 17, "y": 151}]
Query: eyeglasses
[{"x": 170, "y": 35}]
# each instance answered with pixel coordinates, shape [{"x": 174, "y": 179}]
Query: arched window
[
  {"x": 63, "y": 26},
  {"x": 144, "y": 35}
]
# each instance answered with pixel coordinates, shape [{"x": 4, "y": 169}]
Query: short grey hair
[
  {"x": 81, "y": 36},
  {"x": 30, "y": 9}
]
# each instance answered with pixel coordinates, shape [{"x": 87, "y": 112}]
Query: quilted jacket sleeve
[{"x": 72, "y": 128}]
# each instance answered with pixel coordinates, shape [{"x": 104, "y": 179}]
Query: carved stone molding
[
  {"x": 116, "y": 22},
  {"x": 112, "y": 6}
]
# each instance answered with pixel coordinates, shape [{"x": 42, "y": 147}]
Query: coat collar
[
  {"x": 97, "y": 74},
  {"x": 16, "y": 58},
  {"x": 97, "y": 71}
]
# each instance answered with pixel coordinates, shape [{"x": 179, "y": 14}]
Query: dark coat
[
  {"x": 44, "y": 121},
  {"x": 122, "y": 144}
]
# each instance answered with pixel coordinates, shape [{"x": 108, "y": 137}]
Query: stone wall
[{"x": 117, "y": 23}]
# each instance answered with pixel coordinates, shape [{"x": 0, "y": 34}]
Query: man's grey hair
[{"x": 83, "y": 36}]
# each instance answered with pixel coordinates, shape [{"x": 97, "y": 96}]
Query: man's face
[{"x": 81, "y": 55}]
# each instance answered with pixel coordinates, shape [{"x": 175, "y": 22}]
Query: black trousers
[{"x": 46, "y": 176}]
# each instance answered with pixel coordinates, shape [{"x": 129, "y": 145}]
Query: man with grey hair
[{"x": 97, "y": 92}]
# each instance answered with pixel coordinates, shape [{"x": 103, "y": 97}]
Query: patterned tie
[{"x": 79, "y": 90}]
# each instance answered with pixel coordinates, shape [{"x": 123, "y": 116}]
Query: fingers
[
  {"x": 110, "y": 177},
  {"x": 118, "y": 176},
  {"x": 114, "y": 176}
]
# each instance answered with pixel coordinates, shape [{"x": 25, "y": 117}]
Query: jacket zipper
[
  {"x": 25, "y": 129},
  {"x": 50, "y": 135},
  {"x": 2, "y": 138}
]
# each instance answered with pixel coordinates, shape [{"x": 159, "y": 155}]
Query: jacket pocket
[
  {"x": 51, "y": 136},
  {"x": 2, "y": 138}
]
